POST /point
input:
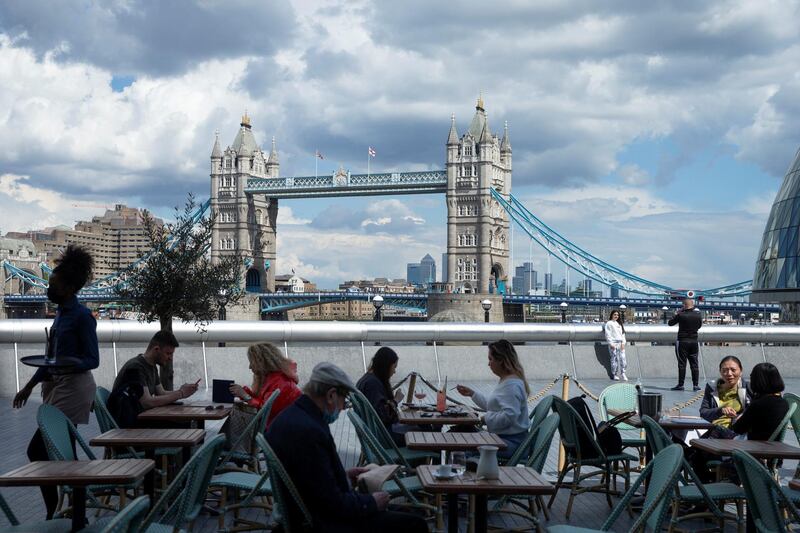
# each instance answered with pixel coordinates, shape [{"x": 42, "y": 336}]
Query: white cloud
[
  {"x": 286, "y": 216},
  {"x": 26, "y": 207}
]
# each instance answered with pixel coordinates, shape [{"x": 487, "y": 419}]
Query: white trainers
[
  {"x": 624, "y": 377},
  {"x": 616, "y": 378}
]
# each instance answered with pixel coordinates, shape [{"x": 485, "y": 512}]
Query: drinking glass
[
  {"x": 420, "y": 395},
  {"x": 459, "y": 462}
]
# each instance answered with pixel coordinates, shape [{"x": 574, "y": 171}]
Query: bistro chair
[
  {"x": 247, "y": 438},
  {"x": 570, "y": 426},
  {"x": 764, "y": 496},
  {"x": 399, "y": 455},
  {"x": 57, "y": 431},
  {"x": 540, "y": 412},
  {"x": 779, "y": 434},
  {"x": 126, "y": 521},
  {"x": 691, "y": 490},
  {"x": 662, "y": 477},
  {"x": 258, "y": 489},
  {"x": 287, "y": 498},
  {"x": 623, "y": 397},
  {"x": 59, "y": 525}
]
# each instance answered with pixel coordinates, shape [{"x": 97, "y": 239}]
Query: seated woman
[
  {"x": 271, "y": 371},
  {"x": 725, "y": 398},
  {"x": 375, "y": 386},
  {"x": 507, "y": 406},
  {"x": 765, "y": 413}
]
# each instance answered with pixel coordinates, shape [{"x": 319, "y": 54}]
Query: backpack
[
  {"x": 606, "y": 435},
  {"x": 124, "y": 404}
]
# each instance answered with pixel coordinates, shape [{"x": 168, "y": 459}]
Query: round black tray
[{"x": 38, "y": 361}]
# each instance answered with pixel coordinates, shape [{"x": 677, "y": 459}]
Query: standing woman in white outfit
[
  {"x": 615, "y": 337},
  {"x": 507, "y": 406}
]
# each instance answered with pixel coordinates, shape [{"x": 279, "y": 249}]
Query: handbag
[{"x": 240, "y": 439}]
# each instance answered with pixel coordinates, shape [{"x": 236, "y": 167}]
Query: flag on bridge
[
  {"x": 371, "y": 151},
  {"x": 318, "y": 154}
]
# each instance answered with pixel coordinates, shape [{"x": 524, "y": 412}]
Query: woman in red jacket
[{"x": 271, "y": 371}]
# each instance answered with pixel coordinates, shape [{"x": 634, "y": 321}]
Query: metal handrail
[{"x": 32, "y": 331}]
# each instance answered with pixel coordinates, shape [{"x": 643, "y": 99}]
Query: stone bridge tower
[
  {"x": 245, "y": 223},
  {"x": 477, "y": 226}
]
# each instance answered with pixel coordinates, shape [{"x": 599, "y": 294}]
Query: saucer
[{"x": 440, "y": 477}]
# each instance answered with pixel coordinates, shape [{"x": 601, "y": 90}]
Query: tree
[{"x": 175, "y": 277}]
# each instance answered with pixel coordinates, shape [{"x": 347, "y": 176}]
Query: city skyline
[{"x": 655, "y": 126}]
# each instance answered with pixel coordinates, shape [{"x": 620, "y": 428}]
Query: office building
[{"x": 525, "y": 279}]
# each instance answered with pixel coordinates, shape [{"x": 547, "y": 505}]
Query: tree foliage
[{"x": 175, "y": 277}]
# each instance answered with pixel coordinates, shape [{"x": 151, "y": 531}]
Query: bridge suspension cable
[{"x": 592, "y": 266}]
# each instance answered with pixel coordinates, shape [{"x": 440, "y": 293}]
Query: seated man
[
  {"x": 141, "y": 375},
  {"x": 303, "y": 442}
]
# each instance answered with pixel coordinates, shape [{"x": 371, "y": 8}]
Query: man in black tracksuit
[{"x": 689, "y": 321}]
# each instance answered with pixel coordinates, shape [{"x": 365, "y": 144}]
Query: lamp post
[
  {"x": 487, "y": 305},
  {"x": 378, "y": 303},
  {"x": 742, "y": 318},
  {"x": 622, "y": 309},
  {"x": 761, "y": 318},
  {"x": 563, "y": 306},
  {"x": 665, "y": 309}
]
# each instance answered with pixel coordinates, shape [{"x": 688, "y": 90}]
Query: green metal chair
[
  {"x": 569, "y": 426},
  {"x": 126, "y": 521},
  {"x": 623, "y": 397},
  {"x": 183, "y": 500},
  {"x": 258, "y": 488},
  {"x": 56, "y": 430},
  {"x": 255, "y": 427},
  {"x": 540, "y": 412},
  {"x": 764, "y": 497},
  {"x": 287, "y": 498},
  {"x": 779, "y": 434},
  {"x": 662, "y": 474},
  {"x": 402, "y": 456},
  {"x": 692, "y": 491},
  {"x": 407, "y": 486},
  {"x": 540, "y": 447},
  {"x": 59, "y": 525}
]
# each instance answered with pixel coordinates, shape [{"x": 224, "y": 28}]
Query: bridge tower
[
  {"x": 245, "y": 223},
  {"x": 477, "y": 226}
]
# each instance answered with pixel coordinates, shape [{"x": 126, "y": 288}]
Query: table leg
[
  {"x": 186, "y": 454},
  {"x": 481, "y": 510},
  {"x": 452, "y": 513},
  {"x": 150, "y": 477},
  {"x": 78, "y": 508}
]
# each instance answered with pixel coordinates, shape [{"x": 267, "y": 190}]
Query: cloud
[
  {"x": 382, "y": 216},
  {"x": 286, "y": 216}
]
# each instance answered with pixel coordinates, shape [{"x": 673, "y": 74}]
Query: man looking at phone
[
  {"x": 142, "y": 371},
  {"x": 689, "y": 322}
]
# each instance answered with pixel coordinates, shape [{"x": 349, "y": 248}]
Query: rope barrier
[
  {"x": 683, "y": 405},
  {"x": 586, "y": 391},
  {"x": 532, "y": 398}
]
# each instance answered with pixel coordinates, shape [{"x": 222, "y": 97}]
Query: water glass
[{"x": 459, "y": 462}]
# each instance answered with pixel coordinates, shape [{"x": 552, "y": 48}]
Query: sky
[{"x": 652, "y": 134}]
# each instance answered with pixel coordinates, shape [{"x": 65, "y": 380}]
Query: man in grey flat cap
[{"x": 302, "y": 440}]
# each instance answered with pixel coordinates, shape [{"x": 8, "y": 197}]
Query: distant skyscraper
[
  {"x": 423, "y": 272},
  {"x": 525, "y": 279},
  {"x": 548, "y": 283},
  {"x": 615, "y": 291}
]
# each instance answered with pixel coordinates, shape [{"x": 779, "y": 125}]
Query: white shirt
[
  {"x": 506, "y": 408},
  {"x": 614, "y": 333}
]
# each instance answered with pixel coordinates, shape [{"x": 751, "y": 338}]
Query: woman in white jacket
[{"x": 615, "y": 337}]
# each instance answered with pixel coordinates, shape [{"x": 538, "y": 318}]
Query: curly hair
[
  {"x": 75, "y": 266},
  {"x": 266, "y": 358}
]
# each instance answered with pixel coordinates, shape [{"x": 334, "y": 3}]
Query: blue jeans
[{"x": 512, "y": 443}]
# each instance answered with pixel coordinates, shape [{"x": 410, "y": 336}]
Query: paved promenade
[{"x": 17, "y": 426}]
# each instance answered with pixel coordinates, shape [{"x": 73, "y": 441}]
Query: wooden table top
[
  {"x": 433, "y": 441},
  {"x": 78, "y": 473},
  {"x": 184, "y": 413},
  {"x": 434, "y": 418},
  {"x": 513, "y": 480},
  {"x": 794, "y": 484},
  {"x": 147, "y": 438},
  {"x": 757, "y": 448}
]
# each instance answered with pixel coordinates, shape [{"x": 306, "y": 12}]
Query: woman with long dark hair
[
  {"x": 765, "y": 413},
  {"x": 615, "y": 337},
  {"x": 507, "y": 406},
  {"x": 73, "y": 335},
  {"x": 375, "y": 385}
]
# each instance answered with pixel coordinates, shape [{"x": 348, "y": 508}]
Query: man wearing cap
[{"x": 302, "y": 440}]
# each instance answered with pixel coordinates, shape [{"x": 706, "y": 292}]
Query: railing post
[
  {"x": 763, "y": 353},
  {"x": 364, "y": 356},
  {"x": 114, "y": 351},
  {"x": 565, "y": 397},
  {"x": 16, "y": 365},
  {"x": 438, "y": 371},
  {"x": 205, "y": 365}
]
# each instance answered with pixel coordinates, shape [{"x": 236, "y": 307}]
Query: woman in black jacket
[
  {"x": 760, "y": 420},
  {"x": 375, "y": 386},
  {"x": 725, "y": 398}
]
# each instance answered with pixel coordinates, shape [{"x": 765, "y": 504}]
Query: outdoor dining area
[{"x": 183, "y": 467}]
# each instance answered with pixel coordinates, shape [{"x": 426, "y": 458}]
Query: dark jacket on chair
[{"x": 304, "y": 444}]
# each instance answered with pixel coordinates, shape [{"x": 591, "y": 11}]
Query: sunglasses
[{"x": 211, "y": 407}]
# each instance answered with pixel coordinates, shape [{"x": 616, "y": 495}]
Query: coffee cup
[{"x": 444, "y": 470}]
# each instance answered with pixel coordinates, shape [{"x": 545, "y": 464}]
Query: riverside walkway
[{"x": 17, "y": 426}]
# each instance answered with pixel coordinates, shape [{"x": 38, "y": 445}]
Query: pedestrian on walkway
[
  {"x": 615, "y": 337},
  {"x": 689, "y": 322}
]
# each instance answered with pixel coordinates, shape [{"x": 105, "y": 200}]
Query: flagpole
[
  {"x": 367, "y": 163},
  {"x": 316, "y": 162}
]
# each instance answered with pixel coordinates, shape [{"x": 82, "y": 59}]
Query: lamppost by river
[
  {"x": 487, "y": 305},
  {"x": 622, "y": 309},
  {"x": 563, "y": 306},
  {"x": 665, "y": 309},
  {"x": 378, "y": 303}
]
